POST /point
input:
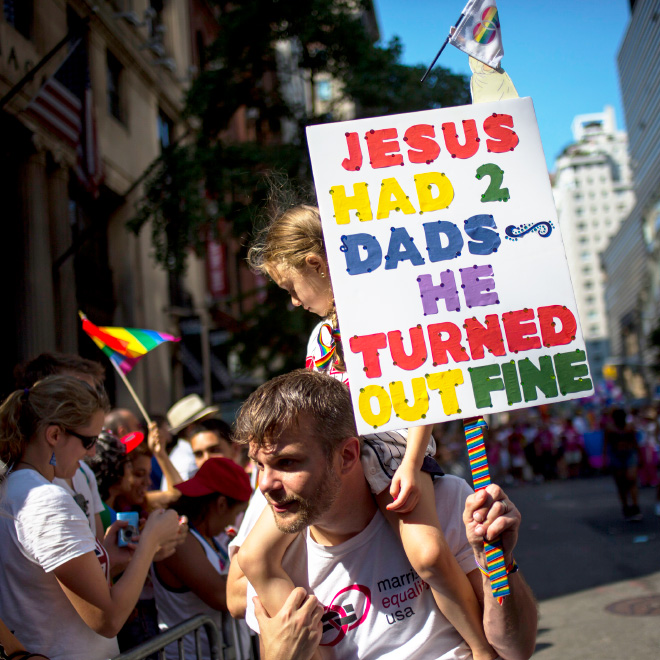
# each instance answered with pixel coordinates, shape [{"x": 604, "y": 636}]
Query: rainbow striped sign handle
[{"x": 474, "y": 436}]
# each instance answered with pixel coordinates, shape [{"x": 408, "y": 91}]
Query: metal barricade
[
  {"x": 176, "y": 634},
  {"x": 243, "y": 647},
  {"x": 246, "y": 647}
]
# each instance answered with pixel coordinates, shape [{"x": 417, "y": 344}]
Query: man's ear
[{"x": 349, "y": 454}]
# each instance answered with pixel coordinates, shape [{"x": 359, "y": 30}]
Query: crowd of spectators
[
  {"x": 70, "y": 465},
  {"x": 548, "y": 443},
  {"x": 74, "y": 583}
]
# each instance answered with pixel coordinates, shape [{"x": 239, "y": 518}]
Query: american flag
[{"x": 64, "y": 107}]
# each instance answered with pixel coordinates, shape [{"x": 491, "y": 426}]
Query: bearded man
[{"x": 301, "y": 433}]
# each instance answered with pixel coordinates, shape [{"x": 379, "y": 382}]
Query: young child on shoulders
[{"x": 398, "y": 465}]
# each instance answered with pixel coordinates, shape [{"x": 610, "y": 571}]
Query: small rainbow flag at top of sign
[
  {"x": 478, "y": 32},
  {"x": 124, "y": 346}
]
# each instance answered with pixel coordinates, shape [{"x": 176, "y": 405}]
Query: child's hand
[{"x": 405, "y": 488}]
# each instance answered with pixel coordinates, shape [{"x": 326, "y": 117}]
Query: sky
[{"x": 561, "y": 53}]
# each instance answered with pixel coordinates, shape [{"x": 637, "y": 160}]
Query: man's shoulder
[
  {"x": 451, "y": 484},
  {"x": 450, "y": 495}
]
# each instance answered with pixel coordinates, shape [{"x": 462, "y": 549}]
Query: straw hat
[{"x": 188, "y": 410}]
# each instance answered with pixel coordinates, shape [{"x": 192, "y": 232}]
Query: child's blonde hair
[{"x": 285, "y": 242}]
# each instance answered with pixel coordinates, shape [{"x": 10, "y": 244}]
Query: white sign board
[{"x": 449, "y": 273}]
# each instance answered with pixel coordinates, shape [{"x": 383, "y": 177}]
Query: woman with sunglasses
[{"x": 55, "y": 591}]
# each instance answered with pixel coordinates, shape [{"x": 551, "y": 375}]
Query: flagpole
[
  {"x": 122, "y": 375},
  {"x": 444, "y": 45},
  {"x": 38, "y": 66}
]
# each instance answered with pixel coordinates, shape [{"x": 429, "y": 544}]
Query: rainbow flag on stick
[{"x": 124, "y": 346}]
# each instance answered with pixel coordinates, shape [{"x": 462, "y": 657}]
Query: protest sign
[{"x": 451, "y": 283}]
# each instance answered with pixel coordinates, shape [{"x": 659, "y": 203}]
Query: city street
[{"x": 596, "y": 577}]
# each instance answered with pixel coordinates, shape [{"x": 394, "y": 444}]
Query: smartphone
[{"x": 127, "y": 534}]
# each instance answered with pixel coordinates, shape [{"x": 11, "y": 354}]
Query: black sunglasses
[{"x": 88, "y": 441}]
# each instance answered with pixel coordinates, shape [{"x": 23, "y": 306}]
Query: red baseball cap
[{"x": 218, "y": 475}]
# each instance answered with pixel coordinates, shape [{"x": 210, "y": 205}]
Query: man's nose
[
  {"x": 295, "y": 301},
  {"x": 269, "y": 480}
]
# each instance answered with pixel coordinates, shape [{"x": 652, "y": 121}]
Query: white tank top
[{"x": 177, "y": 605}]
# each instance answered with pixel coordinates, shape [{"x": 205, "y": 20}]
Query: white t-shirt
[
  {"x": 85, "y": 492},
  {"x": 183, "y": 459},
  {"x": 255, "y": 507},
  {"x": 377, "y": 607},
  {"x": 41, "y": 528},
  {"x": 177, "y": 605},
  {"x": 382, "y": 453}
]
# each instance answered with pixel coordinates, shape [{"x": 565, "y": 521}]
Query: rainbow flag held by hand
[
  {"x": 124, "y": 346},
  {"x": 478, "y": 32}
]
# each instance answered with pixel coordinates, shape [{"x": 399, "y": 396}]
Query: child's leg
[
  {"x": 426, "y": 548},
  {"x": 260, "y": 558}
]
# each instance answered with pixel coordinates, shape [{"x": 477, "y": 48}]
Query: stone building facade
[
  {"x": 65, "y": 249},
  {"x": 632, "y": 260}
]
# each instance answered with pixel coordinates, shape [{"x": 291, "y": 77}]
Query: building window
[
  {"x": 165, "y": 130},
  {"x": 18, "y": 13},
  {"x": 156, "y": 24},
  {"x": 114, "y": 75}
]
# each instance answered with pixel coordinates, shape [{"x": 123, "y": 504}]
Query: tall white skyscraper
[{"x": 593, "y": 194}]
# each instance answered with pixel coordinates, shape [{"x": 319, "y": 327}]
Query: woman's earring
[
  {"x": 53, "y": 460},
  {"x": 323, "y": 275}
]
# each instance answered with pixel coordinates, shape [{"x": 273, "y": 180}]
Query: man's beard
[{"x": 309, "y": 510}]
